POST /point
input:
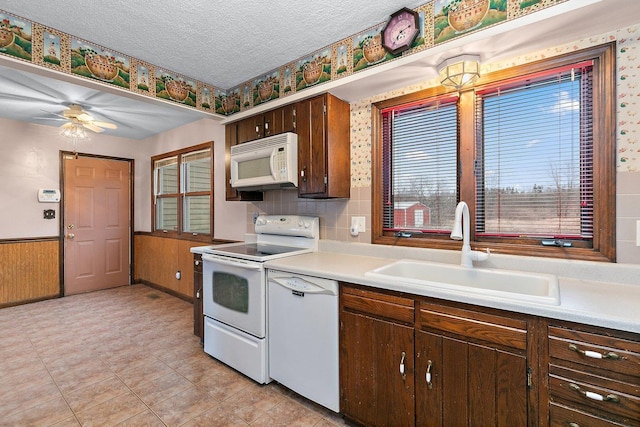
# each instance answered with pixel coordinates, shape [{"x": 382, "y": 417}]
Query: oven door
[{"x": 234, "y": 293}]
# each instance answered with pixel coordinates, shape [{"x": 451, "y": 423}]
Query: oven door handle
[{"x": 232, "y": 262}]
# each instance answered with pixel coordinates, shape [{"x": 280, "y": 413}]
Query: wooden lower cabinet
[
  {"x": 594, "y": 376},
  {"x": 461, "y": 367},
  {"x": 376, "y": 346},
  {"x": 466, "y": 365},
  {"x": 471, "y": 368}
]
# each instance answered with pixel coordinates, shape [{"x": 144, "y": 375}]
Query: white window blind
[
  {"x": 182, "y": 192},
  {"x": 420, "y": 165},
  {"x": 535, "y": 157},
  {"x": 196, "y": 168},
  {"x": 166, "y": 176},
  {"x": 196, "y": 177}
]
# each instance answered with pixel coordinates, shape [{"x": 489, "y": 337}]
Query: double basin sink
[{"x": 506, "y": 285}]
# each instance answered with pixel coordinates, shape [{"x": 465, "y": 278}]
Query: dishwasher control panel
[
  {"x": 301, "y": 284},
  {"x": 298, "y": 284}
]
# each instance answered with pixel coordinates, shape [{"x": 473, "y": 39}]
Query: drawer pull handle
[
  {"x": 574, "y": 425},
  {"x": 427, "y": 376},
  {"x": 595, "y": 396},
  {"x": 402, "y": 372},
  {"x": 594, "y": 354}
]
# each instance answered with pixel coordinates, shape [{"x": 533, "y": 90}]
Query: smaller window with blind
[
  {"x": 182, "y": 196},
  {"x": 420, "y": 189}
]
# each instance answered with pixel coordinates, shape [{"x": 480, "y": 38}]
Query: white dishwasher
[{"x": 303, "y": 335}]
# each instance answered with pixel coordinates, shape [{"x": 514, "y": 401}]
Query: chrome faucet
[{"x": 462, "y": 221}]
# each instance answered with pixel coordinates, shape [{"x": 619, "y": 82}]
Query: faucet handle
[{"x": 480, "y": 256}]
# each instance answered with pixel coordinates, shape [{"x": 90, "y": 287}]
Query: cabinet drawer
[
  {"x": 596, "y": 351},
  {"x": 561, "y": 416},
  {"x": 597, "y": 395},
  {"x": 485, "y": 327},
  {"x": 377, "y": 304}
]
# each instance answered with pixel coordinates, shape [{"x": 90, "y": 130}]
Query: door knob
[{"x": 70, "y": 236}]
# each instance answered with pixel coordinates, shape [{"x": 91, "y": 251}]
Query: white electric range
[{"x": 234, "y": 290}]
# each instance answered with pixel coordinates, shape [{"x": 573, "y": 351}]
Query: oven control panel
[{"x": 288, "y": 225}]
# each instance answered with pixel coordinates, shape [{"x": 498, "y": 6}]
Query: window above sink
[{"x": 522, "y": 148}]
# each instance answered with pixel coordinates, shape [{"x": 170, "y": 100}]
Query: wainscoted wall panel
[
  {"x": 157, "y": 259},
  {"x": 29, "y": 271}
]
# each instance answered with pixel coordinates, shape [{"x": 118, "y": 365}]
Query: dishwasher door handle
[{"x": 313, "y": 288}]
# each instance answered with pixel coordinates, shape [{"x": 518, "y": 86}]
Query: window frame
[
  {"x": 180, "y": 195},
  {"x": 604, "y": 153}
]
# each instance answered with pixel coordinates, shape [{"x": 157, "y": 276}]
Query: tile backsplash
[
  {"x": 627, "y": 215},
  {"x": 335, "y": 214}
]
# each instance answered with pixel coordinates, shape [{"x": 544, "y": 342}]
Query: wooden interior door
[{"x": 97, "y": 230}]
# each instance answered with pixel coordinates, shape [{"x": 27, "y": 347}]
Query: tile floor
[{"x": 128, "y": 357}]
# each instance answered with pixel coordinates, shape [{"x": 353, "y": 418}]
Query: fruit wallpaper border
[{"x": 440, "y": 21}]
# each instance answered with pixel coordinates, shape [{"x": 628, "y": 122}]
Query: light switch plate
[{"x": 358, "y": 221}]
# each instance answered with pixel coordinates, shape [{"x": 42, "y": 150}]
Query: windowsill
[{"x": 574, "y": 254}]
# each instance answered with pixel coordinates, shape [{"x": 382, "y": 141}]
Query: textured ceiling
[
  {"x": 220, "y": 42},
  {"x": 226, "y": 43}
]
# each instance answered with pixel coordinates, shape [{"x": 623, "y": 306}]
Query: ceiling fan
[{"x": 77, "y": 117}]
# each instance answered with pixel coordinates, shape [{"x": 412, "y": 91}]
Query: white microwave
[{"x": 267, "y": 163}]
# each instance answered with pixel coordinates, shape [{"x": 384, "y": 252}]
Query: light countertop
[{"x": 595, "y": 302}]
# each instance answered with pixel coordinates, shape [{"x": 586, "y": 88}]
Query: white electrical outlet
[{"x": 359, "y": 223}]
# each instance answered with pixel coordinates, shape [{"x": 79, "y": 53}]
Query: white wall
[{"x": 30, "y": 160}]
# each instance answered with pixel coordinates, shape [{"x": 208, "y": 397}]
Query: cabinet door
[
  {"x": 373, "y": 390},
  {"x": 279, "y": 120},
  {"x": 249, "y": 129},
  {"x": 312, "y": 156},
  {"x": 471, "y": 384}
]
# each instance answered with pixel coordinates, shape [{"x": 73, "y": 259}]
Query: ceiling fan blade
[
  {"x": 66, "y": 125},
  {"x": 105, "y": 125},
  {"x": 92, "y": 127},
  {"x": 85, "y": 117}
]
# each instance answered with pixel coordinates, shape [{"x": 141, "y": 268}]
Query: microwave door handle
[{"x": 273, "y": 165}]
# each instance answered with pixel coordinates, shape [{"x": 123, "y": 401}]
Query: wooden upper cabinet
[
  {"x": 266, "y": 124},
  {"x": 249, "y": 129},
  {"x": 279, "y": 120},
  {"x": 322, "y": 125}
]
